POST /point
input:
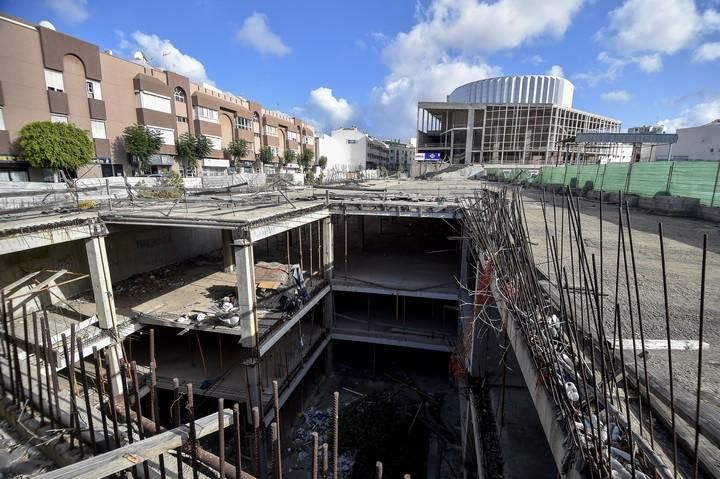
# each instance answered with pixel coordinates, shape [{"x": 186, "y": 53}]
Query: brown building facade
[{"x": 49, "y": 76}]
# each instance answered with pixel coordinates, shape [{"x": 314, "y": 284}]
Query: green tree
[
  {"x": 142, "y": 142},
  {"x": 190, "y": 148},
  {"x": 322, "y": 162},
  {"x": 237, "y": 149},
  {"x": 44, "y": 144},
  {"x": 266, "y": 155},
  {"x": 306, "y": 158},
  {"x": 290, "y": 156}
]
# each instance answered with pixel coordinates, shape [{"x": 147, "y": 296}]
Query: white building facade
[
  {"x": 349, "y": 149},
  {"x": 697, "y": 143}
]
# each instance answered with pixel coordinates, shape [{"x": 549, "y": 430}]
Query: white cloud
[
  {"x": 472, "y": 27},
  {"x": 698, "y": 114},
  {"x": 255, "y": 33},
  {"x": 616, "y": 95},
  {"x": 334, "y": 112},
  {"x": 611, "y": 67},
  {"x": 707, "y": 52},
  {"x": 72, "y": 11},
  {"x": 535, "y": 59},
  {"x": 444, "y": 49},
  {"x": 649, "y": 63},
  {"x": 663, "y": 26},
  {"x": 162, "y": 53},
  {"x": 556, "y": 71}
]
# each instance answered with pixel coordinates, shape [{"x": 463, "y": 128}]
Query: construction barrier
[{"x": 689, "y": 179}]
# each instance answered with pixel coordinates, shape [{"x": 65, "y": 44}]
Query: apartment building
[
  {"x": 400, "y": 155},
  {"x": 509, "y": 120},
  {"x": 46, "y": 75}
]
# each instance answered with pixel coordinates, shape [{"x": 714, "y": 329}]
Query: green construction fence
[{"x": 692, "y": 179}]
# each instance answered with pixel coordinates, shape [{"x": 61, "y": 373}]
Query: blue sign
[{"x": 432, "y": 155}]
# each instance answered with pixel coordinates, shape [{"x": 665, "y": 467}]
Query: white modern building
[
  {"x": 349, "y": 149},
  {"x": 509, "y": 120},
  {"x": 697, "y": 143}
]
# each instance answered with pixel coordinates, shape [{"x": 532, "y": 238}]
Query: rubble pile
[{"x": 319, "y": 421}]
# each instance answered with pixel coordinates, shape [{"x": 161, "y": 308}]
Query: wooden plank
[
  {"x": 661, "y": 344},
  {"x": 130, "y": 455},
  {"x": 8, "y": 289}
]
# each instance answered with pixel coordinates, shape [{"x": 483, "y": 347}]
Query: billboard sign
[{"x": 431, "y": 156}]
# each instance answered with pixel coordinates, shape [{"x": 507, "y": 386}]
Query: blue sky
[{"x": 367, "y": 63}]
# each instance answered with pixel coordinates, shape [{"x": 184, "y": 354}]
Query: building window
[
  {"x": 181, "y": 119},
  {"x": 58, "y": 118},
  {"x": 215, "y": 141},
  {"x": 243, "y": 123},
  {"x": 179, "y": 94},
  {"x": 93, "y": 89},
  {"x": 351, "y": 142},
  {"x": 2, "y": 119},
  {"x": 168, "y": 135},
  {"x": 271, "y": 130},
  {"x": 274, "y": 150},
  {"x": 54, "y": 80},
  {"x": 293, "y": 136},
  {"x": 152, "y": 101},
  {"x": 98, "y": 129},
  {"x": 206, "y": 114}
]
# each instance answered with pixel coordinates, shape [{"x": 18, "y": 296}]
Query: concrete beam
[
  {"x": 273, "y": 228},
  {"x": 49, "y": 237},
  {"x": 338, "y": 285},
  {"x": 397, "y": 213},
  {"x": 568, "y": 463},
  {"x": 377, "y": 338},
  {"x": 275, "y": 336}
]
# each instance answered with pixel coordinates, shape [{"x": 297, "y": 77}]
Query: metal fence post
[
  {"x": 667, "y": 187},
  {"x": 717, "y": 173}
]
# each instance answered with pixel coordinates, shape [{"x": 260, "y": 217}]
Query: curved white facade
[{"x": 516, "y": 89}]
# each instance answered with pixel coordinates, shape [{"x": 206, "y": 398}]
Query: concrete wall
[
  {"x": 131, "y": 250},
  {"x": 136, "y": 249}
]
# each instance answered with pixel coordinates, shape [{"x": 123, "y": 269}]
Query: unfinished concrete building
[{"x": 272, "y": 300}]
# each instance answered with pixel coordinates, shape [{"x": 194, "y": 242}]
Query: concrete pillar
[
  {"x": 328, "y": 249},
  {"x": 252, "y": 368},
  {"x": 104, "y": 302},
  {"x": 245, "y": 272},
  {"x": 228, "y": 255},
  {"x": 469, "y": 136},
  {"x": 329, "y": 371},
  {"x": 328, "y": 311}
]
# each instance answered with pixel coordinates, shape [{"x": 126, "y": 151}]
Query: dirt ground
[{"x": 683, "y": 259}]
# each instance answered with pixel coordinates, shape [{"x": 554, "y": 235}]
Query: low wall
[{"x": 14, "y": 194}]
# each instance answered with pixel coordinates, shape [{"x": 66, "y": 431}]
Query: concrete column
[
  {"x": 228, "y": 255},
  {"x": 328, "y": 311},
  {"x": 329, "y": 371},
  {"x": 328, "y": 249},
  {"x": 469, "y": 136},
  {"x": 104, "y": 302},
  {"x": 245, "y": 272}
]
